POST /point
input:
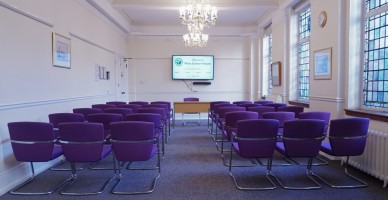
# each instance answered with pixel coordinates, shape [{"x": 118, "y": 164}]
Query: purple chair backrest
[
  {"x": 105, "y": 118},
  {"x": 348, "y": 127},
  {"x": 163, "y": 102},
  {"x": 81, "y": 133},
  {"x": 190, "y": 99},
  {"x": 134, "y": 107},
  {"x": 217, "y": 102},
  {"x": 257, "y": 128},
  {"x": 295, "y": 109},
  {"x": 231, "y": 118},
  {"x": 275, "y": 105},
  {"x": 116, "y": 103},
  {"x": 317, "y": 115},
  {"x": 303, "y": 138},
  {"x": 142, "y": 103},
  {"x": 56, "y": 118},
  {"x": 87, "y": 111},
  {"x": 223, "y": 110},
  {"x": 133, "y": 131},
  {"x": 249, "y": 105},
  {"x": 103, "y": 106},
  {"x": 121, "y": 111},
  {"x": 160, "y": 111},
  {"x": 263, "y": 102},
  {"x": 30, "y": 132},
  {"x": 218, "y": 106},
  {"x": 145, "y": 117},
  {"x": 242, "y": 102},
  {"x": 281, "y": 116},
  {"x": 164, "y": 106},
  {"x": 261, "y": 109}
]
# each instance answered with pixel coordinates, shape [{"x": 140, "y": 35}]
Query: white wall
[
  {"x": 31, "y": 87},
  {"x": 150, "y": 69}
]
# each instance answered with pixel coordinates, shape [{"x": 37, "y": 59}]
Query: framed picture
[
  {"x": 322, "y": 64},
  {"x": 276, "y": 69},
  {"x": 61, "y": 51}
]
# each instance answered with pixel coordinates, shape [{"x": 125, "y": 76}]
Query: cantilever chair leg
[
  {"x": 321, "y": 162},
  {"x": 73, "y": 179},
  {"x": 55, "y": 167},
  {"x": 152, "y": 187},
  {"x": 53, "y": 189},
  {"x": 268, "y": 175},
  {"x": 360, "y": 185},
  {"x": 309, "y": 174},
  {"x": 231, "y": 153}
]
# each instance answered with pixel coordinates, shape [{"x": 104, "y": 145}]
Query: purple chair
[
  {"x": 142, "y": 103},
  {"x": 199, "y": 114},
  {"x": 317, "y": 115},
  {"x": 249, "y": 105},
  {"x": 162, "y": 113},
  {"x": 170, "y": 112},
  {"x": 281, "y": 116},
  {"x": 156, "y": 119},
  {"x": 166, "y": 118},
  {"x": 103, "y": 106},
  {"x": 231, "y": 119},
  {"x": 83, "y": 143},
  {"x": 242, "y": 102},
  {"x": 121, "y": 111},
  {"x": 33, "y": 142},
  {"x": 105, "y": 119},
  {"x": 275, "y": 105},
  {"x": 294, "y": 109},
  {"x": 347, "y": 137},
  {"x": 87, "y": 111},
  {"x": 210, "y": 115},
  {"x": 221, "y": 120},
  {"x": 302, "y": 138},
  {"x": 134, "y": 107},
  {"x": 263, "y": 102},
  {"x": 261, "y": 109},
  {"x": 215, "y": 117},
  {"x": 255, "y": 138},
  {"x": 116, "y": 103},
  {"x": 134, "y": 141},
  {"x": 56, "y": 118}
]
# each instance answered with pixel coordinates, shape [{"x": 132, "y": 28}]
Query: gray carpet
[{"x": 192, "y": 169}]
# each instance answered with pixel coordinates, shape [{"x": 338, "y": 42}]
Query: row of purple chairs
[
  {"x": 258, "y": 138},
  {"x": 83, "y": 142}
]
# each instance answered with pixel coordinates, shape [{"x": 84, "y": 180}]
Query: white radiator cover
[{"x": 374, "y": 160}]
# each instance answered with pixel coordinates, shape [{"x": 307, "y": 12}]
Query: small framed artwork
[
  {"x": 322, "y": 64},
  {"x": 61, "y": 51},
  {"x": 276, "y": 69}
]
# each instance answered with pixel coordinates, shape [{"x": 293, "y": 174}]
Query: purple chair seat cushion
[{"x": 143, "y": 152}]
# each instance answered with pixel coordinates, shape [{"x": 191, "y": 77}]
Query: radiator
[{"x": 374, "y": 160}]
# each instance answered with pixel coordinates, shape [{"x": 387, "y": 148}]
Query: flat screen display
[{"x": 192, "y": 67}]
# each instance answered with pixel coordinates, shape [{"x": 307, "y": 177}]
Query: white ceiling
[{"x": 166, "y": 12}]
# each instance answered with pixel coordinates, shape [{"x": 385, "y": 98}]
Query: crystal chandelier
[
  {"x": 197, "y": 13},
  {"x": 195, "y": 39}
]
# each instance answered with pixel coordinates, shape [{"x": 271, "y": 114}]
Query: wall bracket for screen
[{"x": 202, "y": 83}]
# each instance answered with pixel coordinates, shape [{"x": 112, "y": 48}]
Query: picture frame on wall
[
  {"x": 322, "y": 64},
  {"x": 61, "y": 51},
  {"x": 276, "y": 69}
]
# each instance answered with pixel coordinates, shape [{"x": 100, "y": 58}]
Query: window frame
[{"x": 299, "y": 11}]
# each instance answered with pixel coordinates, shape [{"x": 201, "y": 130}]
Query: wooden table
[{"x": 191, "y": 107}]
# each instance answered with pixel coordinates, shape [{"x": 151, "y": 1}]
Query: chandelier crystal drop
[
  {"x": 197, "y": 13},
  {"x": 195, "y": 39}
]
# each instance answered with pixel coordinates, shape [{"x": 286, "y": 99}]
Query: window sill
[
  {"x": 375, "y": 115},
  {"x": 300, "y": 103}
]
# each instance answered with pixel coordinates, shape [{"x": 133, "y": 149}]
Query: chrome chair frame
[{"x": 269, "y": 165}]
